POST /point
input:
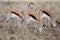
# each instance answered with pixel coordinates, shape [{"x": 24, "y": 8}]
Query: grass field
[{"x": 11, "y": 31}]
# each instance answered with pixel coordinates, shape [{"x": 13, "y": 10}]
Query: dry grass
[{"x": 10, "y": 31}]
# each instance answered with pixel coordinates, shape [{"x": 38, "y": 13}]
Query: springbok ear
[{"x": 18, "y": 13}]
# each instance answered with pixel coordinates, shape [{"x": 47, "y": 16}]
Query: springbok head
[
  {"x": 47, "y": 12},
  {"x": 31, "y": 5}
]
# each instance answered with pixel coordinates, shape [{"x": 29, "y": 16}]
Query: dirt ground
[{"x": 11, "y": 31}]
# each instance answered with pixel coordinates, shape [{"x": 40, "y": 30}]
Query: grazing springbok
[
  {"x": 15, "y": 14},
  {"x": 31, "y": 5},
  {"x": 48, "y": 16},
  {"x": 31, "y": 16}
]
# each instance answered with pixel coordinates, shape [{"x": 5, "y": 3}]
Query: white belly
[
  {"x": 31, "y": 19},
  {"x": 44, "y": 16},
  {"x": 14, "y": 16}
]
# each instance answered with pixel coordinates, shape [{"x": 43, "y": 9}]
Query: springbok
[
  {"x": 48, "y": 16},
  {"x": 15, "y": 14},
  {"x": 31, "y": 5},
  {"x": 31, "y": 16}
]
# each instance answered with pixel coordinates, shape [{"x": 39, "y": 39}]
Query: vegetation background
[{"x": 11, "y": 31}]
